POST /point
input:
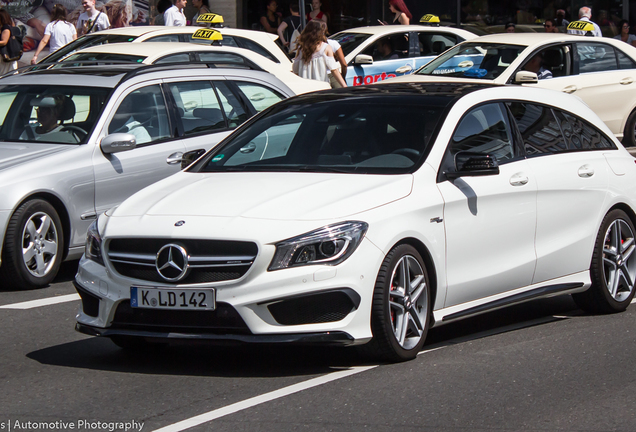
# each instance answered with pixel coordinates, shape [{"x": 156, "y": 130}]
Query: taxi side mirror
[
  {"x": 526, "y": 77},
  {"x": 363, "y": 59}
]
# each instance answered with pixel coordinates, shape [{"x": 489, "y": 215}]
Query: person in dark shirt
[
  {"x": 287, "y": 27},
  {"x": 385, "y": 50}
]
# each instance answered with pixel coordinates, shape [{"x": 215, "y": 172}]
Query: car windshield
[
  {"x": 381, "y": 135},
  {"x": 88, "y": 57},
  {"x": 473, "y": 60},
  {"x": 85, "y": 42},
  {"x": 52, "y": 114},
  {"x": 350, "y": 41}
]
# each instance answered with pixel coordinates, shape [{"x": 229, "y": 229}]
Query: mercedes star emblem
[
  {"x": 172, "y": 262},
  {"x": 179, "y": 223}
]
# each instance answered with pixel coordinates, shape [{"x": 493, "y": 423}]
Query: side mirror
[
  {"x": 191, "y": 156},
  {"x": 118, "y": 142},
  {"x": 363, "y": 59},
  {"x": 473, "y": 165},
  {"x": 526, "y": 77}
]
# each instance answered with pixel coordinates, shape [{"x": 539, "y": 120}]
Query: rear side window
[
  {"x": 539, "y": 128},
  {"x": 596, "y": 57},
  {"x": 198, "y": 107},
  {"x": 259, "y": 96},
  {"x": 436, "y": 43},
  {"x": 624, "y": 61},
  {"x": 164, "y": 38},
  {"x": 253, "y": 46},
  {"x": 580, "y": 135}
]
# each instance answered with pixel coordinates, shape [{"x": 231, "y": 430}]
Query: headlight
[
  {"x": 328, "y": 245},
  {"x": 93, "y": 248}
]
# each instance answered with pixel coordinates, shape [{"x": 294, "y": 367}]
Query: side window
[
  {"x": 558, "y": 60},
  {"x": 175, "y": 58},
  {"x": 625, "y": 62},
  {"x": 253, "y": 46},
  {"x": 221, "y": 59},
  {"x": 432, "y": 44},
  {"x": 143, "y": 114},
  {"x": 596, "y": 57},
  {"x": 198, "y": 107},
  {"x": 484, "y": 130},
  {"x": 259, "y": 96},
  {"x": 580, "y": 135},
  {"x": 390, "y": 47},
  {"x": 232, "y": 106},
  {"x": 164, "y": 38},
  {"x": 539, "y": 128}
]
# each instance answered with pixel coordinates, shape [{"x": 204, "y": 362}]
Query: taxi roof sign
[
  {"x": 428, "y": 18},
  {"x": 581, "y": 25},
  {"x": 207, "y": 34},
  {"x": 210, "y": 18}
]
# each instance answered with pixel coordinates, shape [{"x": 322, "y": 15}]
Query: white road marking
[
  {"x": 42, "y": 302},
  {"x": 276, "y": 394}
]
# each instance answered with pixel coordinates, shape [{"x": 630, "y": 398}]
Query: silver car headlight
[
  {"x": 328, "y": 245},
  {"x": 93, "y": 247}
]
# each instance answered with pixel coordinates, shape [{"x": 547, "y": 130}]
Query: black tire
[
  {"x": 629, "y": 134},
  {"x": 385, "y": 319},
  {"x": 45, "y": 238},
  {"x": 613, "y": 269}
]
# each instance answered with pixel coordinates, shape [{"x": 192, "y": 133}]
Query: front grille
[
  {"x": 208, "y": 260},
  {"x": 315, "y": 308},
  {"x": 223, "y": 320}
]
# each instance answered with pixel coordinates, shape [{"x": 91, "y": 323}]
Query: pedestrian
[
  {"x": 119, "y": 13},
  {"x": 315, "y": 58},
  {"x": 91, "y": 20},
  {"x": 5, "y": 34},
  {"x": 585, "y": 14},
  {"x": 174, "y": 15},
  {"x": 57, "y": 33},
  {"x": 550, "y": 26},
  {"x": 162, "y": 6},
  {"x": 203, "y": 7},
  {"x": 625, "y": 35},
  {"x": 560, "y": 19},
  {"x": 316, "y": 13},
  {"x": 338, "y": 54},
  {"x": 402, "y": 14},
  {"x": 510, "y": 27},
  {"x": 270, "y": 20},
  {"x": 289, "y": 30}
]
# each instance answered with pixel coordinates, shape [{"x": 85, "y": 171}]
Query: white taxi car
[
  {"x": 166, "y": 52},
  {"x": 257, "y": 41},
  {"x": 601, "y": 71},
  {"x": 366, "y": 215}
]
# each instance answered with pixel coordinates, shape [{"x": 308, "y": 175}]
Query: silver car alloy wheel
[
  {"x": 408, "y": 302},
  {"x": 39, "y": 244},
  {"x": 619, "y": 260}
]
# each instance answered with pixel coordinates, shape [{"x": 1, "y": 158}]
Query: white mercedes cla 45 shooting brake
[{"x": 368, "y": 215}]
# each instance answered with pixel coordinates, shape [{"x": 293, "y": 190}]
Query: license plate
[{"x": 161, "y": 298}]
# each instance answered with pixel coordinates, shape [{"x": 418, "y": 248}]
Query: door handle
[
  {"x": 404, "y": 69},
  {"x": 627, "y": 80},
  {"x": 174, "y": 158},
  {"x": 519, "y": 179},
  {"x": 586, "y": 171},
  {"x": 570, "y": 89}
]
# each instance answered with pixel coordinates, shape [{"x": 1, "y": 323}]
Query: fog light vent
[{"x": 329, "y": 306}]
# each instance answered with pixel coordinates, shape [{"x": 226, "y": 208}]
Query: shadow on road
[{"x": 200, "y": 359}]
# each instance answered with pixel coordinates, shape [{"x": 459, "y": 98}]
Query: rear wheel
[
  {"x": 401, "y": 306},
  {"x": 33, "y": 246},
  {"x": 613, "y": 268}
]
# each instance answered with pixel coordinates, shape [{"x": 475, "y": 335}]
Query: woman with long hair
[
  {"x": 58, "y": 32},
  {"x": 270, "y": 20},
  {"x": 315, "y": 58},
  {"x": 5, "y": 34},
  {"x": 625, "y": 35},
  {"x": 402, "y": 14}
]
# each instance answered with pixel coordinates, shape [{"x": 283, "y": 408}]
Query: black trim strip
[
  {"x": 324, "y": 338},
  {"x": 517, "y": 298},
  {"x": 353, "y": 295}
]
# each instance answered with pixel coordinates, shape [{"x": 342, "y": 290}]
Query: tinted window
[
  {"x": 624, "y": 61},
  {"x": 143, "y": 114},
  {"x": 432, "y": 44},
  {"x": 580, "y": 135},
  {"x": 484, "y": 130},
  {"x": 350, "y": 41},
  {"x": 259, "y": 96},
  {"x": 198, "y": 106},
  {"x": 164, "y": 38},
  {"x": 595, "y": 57},
  {"x": 253, "y": 46},
  {"x": 539, "y": 128},
  {"x": 221, "y": 58},
  {"x": 174, "y": 58},
  {"x": 397, "y": 46},
  {"x": 232, "y": 106}
]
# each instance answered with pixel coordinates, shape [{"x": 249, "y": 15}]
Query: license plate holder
[{"x": 172, "y": 298}]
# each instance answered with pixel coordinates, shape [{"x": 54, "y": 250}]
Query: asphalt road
[{"x": 541, "y": 366}]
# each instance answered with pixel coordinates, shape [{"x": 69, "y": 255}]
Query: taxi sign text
[
  {"x": 208, "y": 34},
  {"x": 210, "y": 18},
  {"x": 581, "y": 25}
]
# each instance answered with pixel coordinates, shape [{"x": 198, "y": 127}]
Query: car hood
[
  {"x": 275, "y": 196},
  {"x": 12, "y": 154}
]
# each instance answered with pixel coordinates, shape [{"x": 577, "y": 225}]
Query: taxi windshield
[
  {"x": 51, "y": 114},
  {"x": 473, "y": 60},
  {"x": 380, "y": 135},
  {"x": 349, "y": 41}
]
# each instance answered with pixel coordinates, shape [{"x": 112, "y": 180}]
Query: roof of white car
[
  {"x": 157, "y": 30},
  {"x": 532, "y": 39},
  {"x": 382, "y": 29}
]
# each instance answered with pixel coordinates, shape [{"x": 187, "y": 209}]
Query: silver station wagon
[{"x": 78, "y": 141}]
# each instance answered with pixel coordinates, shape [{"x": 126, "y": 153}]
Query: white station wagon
[{"x": 367, "y": 215}]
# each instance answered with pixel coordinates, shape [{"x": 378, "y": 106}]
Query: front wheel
[
  {"x": 33, "y": 246},
  {"x": 401, "y": 306},
  {"x": 613, "y": 268}
]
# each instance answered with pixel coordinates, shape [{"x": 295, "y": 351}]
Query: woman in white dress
[
  {"x": 315, "y": 58},
  {"x": 58, "y": 32}
]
